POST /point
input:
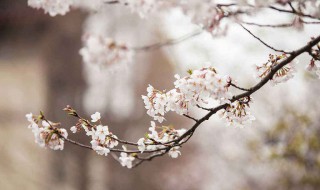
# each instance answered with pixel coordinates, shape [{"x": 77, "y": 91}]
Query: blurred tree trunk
[{"x": 65, "y": 86}]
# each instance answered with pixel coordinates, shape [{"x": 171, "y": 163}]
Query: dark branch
[
  {"x": 293, "y": 12},
  {"x": 274, "y": 49}
]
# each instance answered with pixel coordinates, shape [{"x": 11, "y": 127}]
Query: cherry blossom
[
  {"x": 73, "y": 129},
  {"x": 46, "y": 133},
  {"x": 237, "y": 114},
  {"x": 314, "y": 66},
  {"x": 125, "y": 159},
  {"x": 101, "y": 150},
  {"x": 282, "y": 75},
  {"x": 101, "y": 132},
  {"x": 103, "y": 51},
  {"x": 52, "y": 7},
  {"x": 141, "y": 145},
  {"x": 142, "y": 7},
  {"x": 198, "y": 88},
  {"x": 95, "y": 117},
  {"x": 174, "y": 152},
  {"x": 156, "y": 139}
]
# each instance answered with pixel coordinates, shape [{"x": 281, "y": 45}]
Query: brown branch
[{"x": 76, "y": 143}]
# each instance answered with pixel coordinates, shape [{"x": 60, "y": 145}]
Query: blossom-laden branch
[
  {"x": 104, "y": 51},
  {"x": 195, "y": 90}
]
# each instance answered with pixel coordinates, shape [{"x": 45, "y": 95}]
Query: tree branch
[
  {"x": 168, "y": 42},
  {"x": 274, "y": 49}
]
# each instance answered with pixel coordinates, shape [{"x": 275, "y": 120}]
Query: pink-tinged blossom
[
  {"x": 282, "y": 75},
  {"x": 46, "y": 134},
  {"x": 156, "y": 139},
  {"x": 314, "y": 67},
  {"x": 237, "y": 114},
  {"x": 198, "y": 88}
]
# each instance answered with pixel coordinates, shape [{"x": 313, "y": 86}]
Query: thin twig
[
  {"x": 293, "y": 12},
  {"x": 168, "y": 42},
  {"x": 188, "y": 116},
  {"x": 240, "y": 88},
  {"x": 264, "y": 43},
  {"x": 207, "y": 109},
  {"x": 269, "y": 25}
]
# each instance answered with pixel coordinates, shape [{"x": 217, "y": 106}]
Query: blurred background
[{"x": 41, "y": 69}]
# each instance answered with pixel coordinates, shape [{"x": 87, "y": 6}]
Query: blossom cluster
[
  {"x": 198, "y": 88},
  {"x": 142, "y": 7},
  {"x": 52, "y": 7},
  {"x": 237, "y": 113},
  {"x": 157, "y": 140},
  {"x": 314, "y": 65},
  {"x": 46, "y": 133},
  {"x": 104, "y": 51},
  {"x": 282, "y": 75},
  {"x": 126, "y": 159},
  {"x": 205, "y": 14},
  {"x": 102, "y": 140}
]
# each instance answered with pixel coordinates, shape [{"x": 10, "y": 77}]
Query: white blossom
[
  {"x": 73, "y": 129},
  {"x": 198, "y": 88},
  {"x": 282, "y": 75},
  {"x": 52, "y": 7},
  {"x": 125, "y": 159},
  {"x": 46, "y": 134},
  {"x": 142, "y": 7},
  {"x": 95, "y": 117},
  {"x": 102, "y": 139},
  {"x": 101, "y": 150},
  {"x": 102, "y": 51},
  {"x": 101, "y": 133},
  {"x": 112, "y": 141},
  {"x": 156, "y": 140},
  {"x": 237, "y": 114},
  {"x": 141, "y": 145},
  {"x": 174, "y": 152}
]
